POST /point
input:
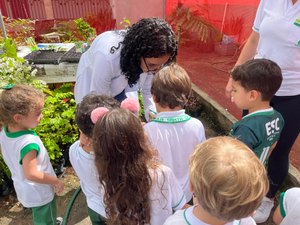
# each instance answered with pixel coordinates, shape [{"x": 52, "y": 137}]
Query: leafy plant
[
  {"x": 58, "y": 129},
  {"x": 234, "y": 25},
  {"x": 185, "y": 21},
  {"x": 85, "y": 29}
]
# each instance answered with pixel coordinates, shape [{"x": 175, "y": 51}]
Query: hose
[{"x": 69, "y": 206}]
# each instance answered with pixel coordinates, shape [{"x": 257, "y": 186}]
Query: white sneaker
[
  {"x": 263, "y": 212},
  {"x": 59, "y": 220}
]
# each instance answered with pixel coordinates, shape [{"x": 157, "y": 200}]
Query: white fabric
[
  {"x": 184, "y": 217},
  {"x": 280, "y": 40},
  {"x": 99, "y": 71},
  {"x": 291, "y": 205},
  {"x": 84, "y": 166},
  {"x": 175, "y": 142},
  {"x": 30, "y": 194},
  {"x": 166, "y": 195}
]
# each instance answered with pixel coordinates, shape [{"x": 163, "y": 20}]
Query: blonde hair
[
  {"x": 228, "y": 179},
  {"x": 20, "y": 99}
]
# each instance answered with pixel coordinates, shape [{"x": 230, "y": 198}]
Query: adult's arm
[
  {"x": 147, "y": 96},
  {"x": 248, "y": 52}
]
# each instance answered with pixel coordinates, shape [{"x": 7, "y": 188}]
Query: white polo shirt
[
  {"x": 278, "y": 24},
  {"x": 175, "y": 141},
  {"x": 84, "y": 165}
]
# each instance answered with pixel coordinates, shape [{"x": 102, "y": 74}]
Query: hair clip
[
  {"x": 8, "y": 86},
  {"x": 130, "y": 104},
  {"x": 98, "y": 113}
]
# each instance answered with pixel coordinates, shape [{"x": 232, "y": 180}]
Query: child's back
[{"x": 173, "y": 133}]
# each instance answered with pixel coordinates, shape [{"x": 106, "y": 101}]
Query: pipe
[{"x": 2, "y": 26}]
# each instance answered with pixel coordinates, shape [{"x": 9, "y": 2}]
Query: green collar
[
  {"x": 176, "y": 119},
  {"x": 18, "y": 133}
]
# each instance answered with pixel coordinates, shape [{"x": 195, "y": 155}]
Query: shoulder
[
  {"x": 74, "y": 147},
  {"x": 105, "y": 41},
  {"x": 247, "y": 221},
  {"x": 176, "y": 219}
]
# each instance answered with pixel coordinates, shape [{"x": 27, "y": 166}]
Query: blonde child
[
  {"x": 24, "y": 153},
  {"x": 173, "y": 133},
  {"x": 228, "y": 181},
  {"x": 82, "y": 155},
  {"x": 138, "y": 189}
]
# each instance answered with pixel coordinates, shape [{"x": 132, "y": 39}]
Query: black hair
[
  {"x": 262, "y": 75},
  {"x": 149, "y": 37}
]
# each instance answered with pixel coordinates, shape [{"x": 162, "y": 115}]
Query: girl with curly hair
[
  {"x": 138, "y": 189},
  {"x": 119, "y": 60}
]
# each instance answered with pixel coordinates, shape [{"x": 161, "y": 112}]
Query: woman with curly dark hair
[
  {"x": 138, "y": 189},
  {"x": 119, "y": 60}
]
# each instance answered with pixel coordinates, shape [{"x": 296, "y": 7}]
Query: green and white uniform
[
  {"x": 186, "y": 217},
  {"x": 290, "y": 206},
  {"x": 14, "y": 147},
  {"x": 259, "y": 131},
  {"x": 175, "y": 135}
]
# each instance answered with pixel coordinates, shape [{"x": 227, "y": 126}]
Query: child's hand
[{"x": 58, "y": 186}]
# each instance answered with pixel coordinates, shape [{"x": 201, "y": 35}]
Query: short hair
[
  {"x": 171, "y": 86},
  {"x": 262, "y": 75},
  {"x": 149, "y": 37},
  {"x": 85, "y": 108},
  {"x": 20, "y": 99},
  {"x": 228, "y": 179}
]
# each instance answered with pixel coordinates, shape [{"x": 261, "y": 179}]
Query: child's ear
[
  {"x": 154, "y": 99},
  {"x": 18, "y": 118},
  {"x": 254, "y": 95}
]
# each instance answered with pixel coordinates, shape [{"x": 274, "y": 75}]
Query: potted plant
[{"x": 193, "y": 27}]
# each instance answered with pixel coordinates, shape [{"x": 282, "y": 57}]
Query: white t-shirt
[
  {"x": 84, "y": 166},
  {"x": 186, "y": 217},
  {"x": 166, "y": 195},
  {"x": 278, "y": 26},
  {"x": 14, "y": 147},
  {"x": 175, "y": 140},
  {"x": 99, "y": 71},
  {"x": 290, "y": 206}
]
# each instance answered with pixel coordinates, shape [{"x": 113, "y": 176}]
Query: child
[
  {"x": 138, "y": 189},
  {"x": 24, "y": 153},
  {"x": 288, "y": 210},
  {"x": 254, "y": 85},
  {"x": 228, "y": 181},
  {"x": 173, "y": 133},
  {"x": 82, "y": 155}
]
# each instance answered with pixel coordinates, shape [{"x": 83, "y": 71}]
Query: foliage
[
  {"x": 103, "y": 20},
  {"x": 58, "y": 129},
  {"x": 234, "y": 25},
  {"x": 125, "y": 23},
  {"x": 19, "y": 29},
  {"x": 85, "y": 29},
  {"x": 184, "y": 21},
  {"x": 9, "y": 47}
]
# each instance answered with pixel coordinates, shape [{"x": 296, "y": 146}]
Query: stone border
[{"x": 224, "y": 119}]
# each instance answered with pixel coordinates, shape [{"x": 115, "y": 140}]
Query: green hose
[{"x": 69, "y": 206}]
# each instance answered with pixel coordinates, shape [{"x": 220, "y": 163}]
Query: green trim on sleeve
[
  {"x": 184, "y": 215},
  {"x": 28, "y": 148},
  {"x": 174, "y": 207},
  {"x": 282, "y": 211}
]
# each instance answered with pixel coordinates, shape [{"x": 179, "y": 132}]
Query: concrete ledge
[{"x": 224, "y": 120}]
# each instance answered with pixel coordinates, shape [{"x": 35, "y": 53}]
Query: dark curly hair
[
  {"x": 123, "y": 158},
  {"x": 149, "y": 37},
  {"x": 87, "y": 105}
]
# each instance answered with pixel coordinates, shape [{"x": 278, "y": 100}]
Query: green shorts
[
  {"x": 45, "y": 214},
  {"x": 96, "y": 218}
]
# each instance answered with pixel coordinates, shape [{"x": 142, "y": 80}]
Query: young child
[
  {"x": 24, "y": 153},
  {"x": 138, "y": 189},
  {"x": 82, "y": 155},
  {"x": 228, "y": 181},
  {"x": 254, "y": 85},
  {"x": 173, "y": 133},
  {"x": 288, "y": 210}
]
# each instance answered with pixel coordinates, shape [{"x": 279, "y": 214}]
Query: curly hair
[
  {"x": 149, "y": 37},
  {"x": 20, "y": 99},
  {"x": 85, "y": 108},
  {"x": 123, "y": 157}
]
